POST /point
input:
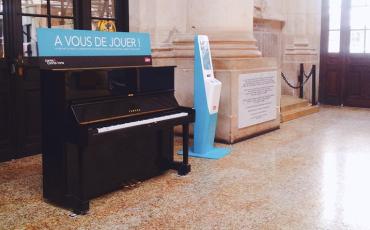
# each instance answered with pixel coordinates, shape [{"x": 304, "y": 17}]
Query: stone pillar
[
  {"x": 218, "y": 15},
  {"x": 163, "y": 19},
  {"x": 229, "y": 25}
]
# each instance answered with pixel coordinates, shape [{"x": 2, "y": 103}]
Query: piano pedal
[
  {"x": 80, "y": 212},
  {"x": 73, "y": 215},
  {"x": 131, "y": 184}
]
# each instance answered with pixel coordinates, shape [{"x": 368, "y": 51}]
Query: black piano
[{"x": 107, "y": 125}]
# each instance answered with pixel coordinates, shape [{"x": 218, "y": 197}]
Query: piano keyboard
[{"x": 142, "y": 122}]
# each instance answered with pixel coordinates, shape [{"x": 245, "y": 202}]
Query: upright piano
[{"x": 104, "y": 124}]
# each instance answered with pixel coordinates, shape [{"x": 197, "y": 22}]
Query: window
[
  {"x": 44, "y": 13},
  {"x": 2, "y": 54},
  {"x": 360, "y": 26},
  {"x": 335, "y": 15},
  {"x": 61, "y": 14},
  {"x": 103, "y": 15}
]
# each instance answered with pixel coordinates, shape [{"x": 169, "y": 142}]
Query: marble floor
[{"x": 313, "y": 173}]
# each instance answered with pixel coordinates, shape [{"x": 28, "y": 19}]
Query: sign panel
[
  {"x": 257, "y": 98},
  {"x": 67, "y": 43},
  {"x": 211, "y": 84},
  {"x": 205, "y": 53}
]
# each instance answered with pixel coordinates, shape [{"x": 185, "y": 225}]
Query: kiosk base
[{"x": 214, "y": 153}]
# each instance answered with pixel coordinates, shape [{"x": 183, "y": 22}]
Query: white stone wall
[
  {"x": 270, "y": 9},
  {"x": 300, "y": 36},
  {"x": 163, "y": 19},
  {"x": 221, "y": 15},
  {"x": 299, "y": 40}
]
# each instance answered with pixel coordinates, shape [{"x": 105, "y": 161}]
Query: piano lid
[{"x": 112, "y": 110}]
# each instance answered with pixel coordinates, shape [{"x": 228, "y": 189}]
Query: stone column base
[{"x": 227, "y": 71}]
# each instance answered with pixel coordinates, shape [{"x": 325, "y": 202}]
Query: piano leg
[
  {"x": 184, "y": 168},
  {"x": 81, "y": 207},
  {"x": 78, "y": 191}
]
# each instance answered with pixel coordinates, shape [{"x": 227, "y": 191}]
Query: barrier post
[
  {"x": 300, "y": 79},
  {"x": 314, "y": 102}
]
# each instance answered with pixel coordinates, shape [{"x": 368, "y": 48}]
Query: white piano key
[{"x": 141, "y": 122}]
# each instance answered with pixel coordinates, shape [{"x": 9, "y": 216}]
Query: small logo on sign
[
  {"x": 148, "y": 59},
  {"x": 53, "y": 62}
]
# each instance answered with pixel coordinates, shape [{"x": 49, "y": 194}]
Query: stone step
[
  {"x": 290, "y": 103},
  {"x": 298, "y": 112}
]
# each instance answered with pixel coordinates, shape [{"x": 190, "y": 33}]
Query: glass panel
[
  {"x": 335, "y": 3},
  {"x": 358, "y": 2},
  {"x": 103, "y": 8},
  {"x": 2, "y": 54},
  {"x": 367, "y": 48},
  {"x": 61, "y": 7},
  {"x": 359, "y": 16},
  {"x": 1, "y": 6},
  {"x": 367, "y": 20},
  {"x": 30, "y": 24},
  {"x": 334, "y": 41},
  {"x": 34, "y": 7},
  {"x": 357, "y": 43},
  {"x": 335, "y": 18},
  {"x": 62, "y": 23},
  {"x": 103, "y": 25}
]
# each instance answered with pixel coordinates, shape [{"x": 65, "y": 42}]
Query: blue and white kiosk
[{"x": 207, "y": 92}]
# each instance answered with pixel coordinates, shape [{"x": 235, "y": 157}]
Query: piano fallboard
[
  {"x": 119, "y": 108},
  {"x": 167, "y": 119}
]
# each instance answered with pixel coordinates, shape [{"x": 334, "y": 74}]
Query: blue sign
[{"x": 64, "y": 42}]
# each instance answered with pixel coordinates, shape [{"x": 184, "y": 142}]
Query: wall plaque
[{"x": 257, "y": 98}]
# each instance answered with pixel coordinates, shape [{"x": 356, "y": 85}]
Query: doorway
[
  {"x": 345, "y": 53},
  {"x": 20, "y": 107},
  {"x": 7, "y": 134}
]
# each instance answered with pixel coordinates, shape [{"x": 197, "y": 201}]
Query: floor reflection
[
  {"x": 345, "y": 187},
  {"x": 330, "y": 185},
  {"x": 356, "y": 196}
]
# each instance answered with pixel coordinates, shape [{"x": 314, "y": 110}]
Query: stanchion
[
  {"x": 300, "y": 80},
  {"x": 314, "y": 102}
]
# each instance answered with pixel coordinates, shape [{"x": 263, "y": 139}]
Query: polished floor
[{"x": 313, "y": 173}]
